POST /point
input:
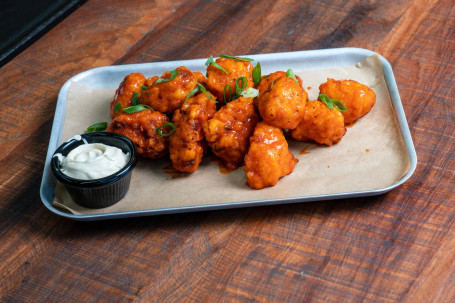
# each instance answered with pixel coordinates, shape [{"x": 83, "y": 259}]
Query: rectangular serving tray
[{"x": 109, "y": 77}]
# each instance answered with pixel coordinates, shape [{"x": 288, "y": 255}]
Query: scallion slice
[
  {"x": 250, "y": 93},
  {"x": 172, "y": 125},
  {"x": 237, "y": 58},
  {"x": 173, "y": 73},
  {"x": 331, "y": 103},
  {"x": 210, "y": 61},
  {"x": 240, "y": 88},
  {"x": 257, "y": 74},
  {"x": 143, "y": 87},
  {"x": 339, "y": 105},
  {"x": 118, "y": 106},
  {"x": 191, "y": 94},
  {"x": 137, "y": 108},
  {"x": 290, "y": 74},
  {"x": 202, "y": 88},
  {"x": 96, "y": 127},
  {"x": 227, "y": 87},
  {"x": 135, "y": 101}
]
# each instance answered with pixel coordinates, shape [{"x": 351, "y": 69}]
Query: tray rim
[{"x": 48, "y": 182}]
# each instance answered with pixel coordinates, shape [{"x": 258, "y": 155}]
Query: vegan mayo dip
[{"x": 92, "y": 161}]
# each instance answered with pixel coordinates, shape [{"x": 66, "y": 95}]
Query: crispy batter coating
[
  {"x": 168, "y": 96},
  {"x": 200, "y": 77},
  {"x": 268, "y": 158},
  {"x": 187, "y": 144},
  {"x": 267, "y": 80},
  {"x": 218, "y": 79},
  {"x": 140, "y": 128},
  {"x": 283, "y": 103},
  {"x": 228, "y": 132},
  {"x": 150, "y": 81},
  {"x": 357, "y": 97},
  {"x": 124, "y": 94},
  {"x": 320, "y": 124}
]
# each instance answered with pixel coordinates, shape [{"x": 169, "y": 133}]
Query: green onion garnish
[
  {"x": 290, "y": 74},
  {"x": 210, "y": 61},
  {"x": 202, "y": 88},
  {"x": 143, "y": 87},
  {"x": 236, "y": 58},
  {"x": 135, "y": 101},
  {"x": 250, "y": 93},
  {"x": 174, "y": 74},
  {"x": 331, "y": 103},
  {"x": 172, "y": 125},
  {"x": 257, "y": 74},
  {"x": 227, "y": 88},
  {"x": 137, "y": 108},
  {"x": 118, "y": 106},
  {"x": 339, "y": 105},
  {"x": 240, "y": 89},
  {"x": 191, "y": 94},
  {"x": 96, "y": 127},
  {"x": 271, "y": 85}
]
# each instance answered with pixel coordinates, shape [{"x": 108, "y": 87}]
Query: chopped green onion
[
  {"x": 96, "y": 127},
  {"x": 135, "y": 101},
  {"x": 240, "y": 89},
  {"x": 174, "y": 74},
  {"x": 143, "y": 87},
  {"x": 226, "y": 88},
  {"x": 290, "y": 74},
  {"x": 250, "y": 93},
  {"x": 210, "y": 61},
  {"x": 331, "y": 103},
  {"x": 118, "y": 106},
  {"x": 172, "y": 125},
  {"x": 202, "y": 88},
  {"x": 191, "y": 94},
  {"x": 236, "y": 58},
  {"x": 339, "y": 105},
  {"x": 271, "y": 85},
  {"x": 137, "y": 108},
  {"x": 257, "y": 74},
  {"x": 326, "y": 100}
]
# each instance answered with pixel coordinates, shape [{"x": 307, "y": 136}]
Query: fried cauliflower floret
[
  {"x": 124, "y": 95},
  {"x": 140, "y": 127},
  {"x": 218, "y": 79},
  {"x": 228, "y": 132},
  {"x": 268, "y": 158},
  {"x": 283, "y": 103},
  {"x": 320, "y": 124},
  {"x": 167, "y": 96},
  {"x": 187, "y": 144},
  {"x": 357, "y": 97}
]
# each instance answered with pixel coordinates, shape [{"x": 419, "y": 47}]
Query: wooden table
[{"x": 395, "y": 247}]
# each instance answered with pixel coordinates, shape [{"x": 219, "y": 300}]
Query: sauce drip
[
  {"x": 172, "y": 172},
  {"x": 303, "y": 151}
]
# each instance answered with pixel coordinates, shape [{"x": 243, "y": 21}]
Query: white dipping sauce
[{"x": 92, "y": 161}]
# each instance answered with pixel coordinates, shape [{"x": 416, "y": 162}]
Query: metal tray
[{"x": 110, "y": 76}]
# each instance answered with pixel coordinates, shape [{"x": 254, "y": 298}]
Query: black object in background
[{"x": 22, "y": 22}]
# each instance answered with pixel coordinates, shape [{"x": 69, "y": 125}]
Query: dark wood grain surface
[{"x": 396, "y": 247}]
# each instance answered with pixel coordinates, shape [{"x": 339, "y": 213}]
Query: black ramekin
[{"x": 103, "y": 192}]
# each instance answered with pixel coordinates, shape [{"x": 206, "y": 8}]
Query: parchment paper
[{"x": 370, "y": 156}]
